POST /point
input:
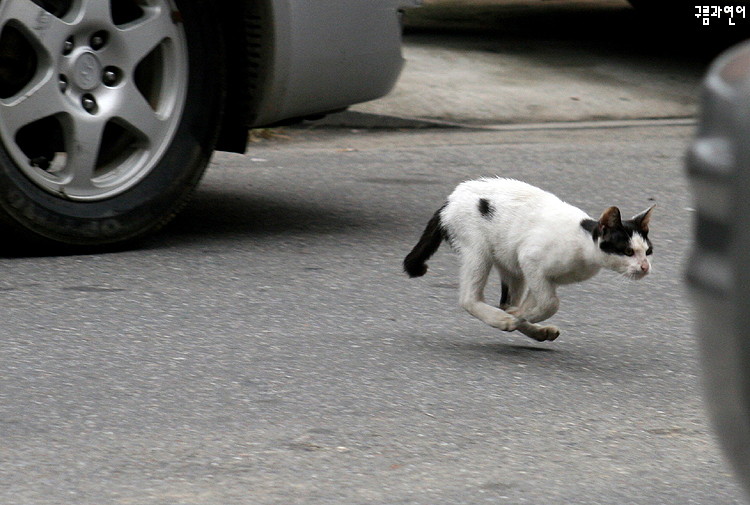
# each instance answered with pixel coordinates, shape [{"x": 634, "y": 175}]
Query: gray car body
[{"x": 290, "y": 59}]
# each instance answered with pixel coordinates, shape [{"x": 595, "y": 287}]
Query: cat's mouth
[{"x": 636, "y": 275}]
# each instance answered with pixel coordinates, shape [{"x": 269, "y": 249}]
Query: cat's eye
[
  {"x": 629, "y": 251},
  {"x": 649, "y": 251}
]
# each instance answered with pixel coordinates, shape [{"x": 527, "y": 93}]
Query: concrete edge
[{"x": 364, "y": 120}]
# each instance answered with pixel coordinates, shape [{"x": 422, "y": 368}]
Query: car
[
  {"x": 110, "y": 109},
  {"x": 718, "y": 271}
]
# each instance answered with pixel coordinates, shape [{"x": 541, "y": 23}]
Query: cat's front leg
[
  {"x": 475, "y": 269},
  {"x": 497, "y": 318}
]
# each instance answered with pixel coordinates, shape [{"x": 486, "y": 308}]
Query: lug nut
[
  {"x": 68, "y": 46},
  {"x": 110, "y": 76},
  {"x": 89, "y": 104},
  {"x": 63, "y": 81},
  {"x": 98, "y": 40}
]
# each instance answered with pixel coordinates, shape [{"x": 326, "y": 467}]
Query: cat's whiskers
[
  {"x": 624, "y": 278},
  {"x": 631, "y": 276}
]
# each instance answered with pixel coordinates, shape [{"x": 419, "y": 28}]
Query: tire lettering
[{"x": 91, "y": 228}]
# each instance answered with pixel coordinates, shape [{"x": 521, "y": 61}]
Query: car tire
[
  {"x": 109, "y": 112},
  {"x": 718, "y": 274}
]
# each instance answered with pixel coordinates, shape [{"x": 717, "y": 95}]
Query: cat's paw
[
  {"x": 505, "y": 322},
  {"x": 511, "y": 324},
  {"x": 548, "y": 333},
  {"x": 540, "y": 333}
]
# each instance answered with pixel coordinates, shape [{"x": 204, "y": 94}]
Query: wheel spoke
[
  {"x": 93, "y": 11},
  {"x": 41, "y": 27},
  {"x": 145, "y": 34},
  {"x": 40, "y": 100},
  {"x": 83, "y": 141},
  {"x": 140, "y": 118}
]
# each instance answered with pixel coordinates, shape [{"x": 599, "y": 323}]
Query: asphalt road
[{"x": 267, "y": 349}]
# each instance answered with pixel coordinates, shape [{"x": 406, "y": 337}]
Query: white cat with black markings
[{"x": 536, "y": 241}]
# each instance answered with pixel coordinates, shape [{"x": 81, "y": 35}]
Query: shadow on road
[
  {"x": 226, "y": 215},
  {"x": 504, "y": 349},
  {"x": 216, "y": 214},
  {"x": 557, "y": 356}
]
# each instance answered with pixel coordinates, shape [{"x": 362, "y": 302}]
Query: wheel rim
[{"x": 91, "y": 91}]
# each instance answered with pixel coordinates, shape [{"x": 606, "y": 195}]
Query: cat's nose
[{"x": 645, "y": 267}]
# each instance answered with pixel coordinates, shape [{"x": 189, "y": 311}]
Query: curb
[{"x": 366, "y": 120}]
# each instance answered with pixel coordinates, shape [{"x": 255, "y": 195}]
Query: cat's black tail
[{"x": 433, "y": 235}]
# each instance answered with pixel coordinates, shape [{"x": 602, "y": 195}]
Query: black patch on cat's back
[{"x": 485, "y": 208}]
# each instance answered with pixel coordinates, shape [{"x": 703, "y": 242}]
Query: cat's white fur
[{"x": 536, "y": 243}]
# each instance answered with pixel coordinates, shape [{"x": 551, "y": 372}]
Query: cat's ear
[
  {"x": 610, "y": 219},
  {"x": 642, "y": 219}
]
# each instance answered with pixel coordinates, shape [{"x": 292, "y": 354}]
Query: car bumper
[{"x": 330, "y": 55}]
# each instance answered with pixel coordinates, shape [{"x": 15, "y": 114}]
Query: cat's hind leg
[
  {"x": 512, "y": 293},
  {"x": 475, "y": 269},
  {"x": 540, "y": 302}
]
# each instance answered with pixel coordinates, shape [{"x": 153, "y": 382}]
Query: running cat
[{"x": 535, "y": 241}]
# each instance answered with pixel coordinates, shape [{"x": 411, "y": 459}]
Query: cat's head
[{"x": 625, "y": 244}]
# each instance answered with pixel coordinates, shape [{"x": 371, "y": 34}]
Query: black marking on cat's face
[
  {"x": 486, "y": 209},
  {"x": 629, "y": 229},
  {"x": 592, "y": 227},
  {"x": 620, "y": 240},
  {"x": 615, "y": 236}
]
